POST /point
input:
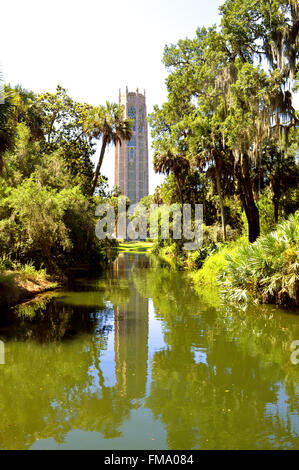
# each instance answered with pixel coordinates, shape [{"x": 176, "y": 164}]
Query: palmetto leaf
[{"x": 269, "y": 267}]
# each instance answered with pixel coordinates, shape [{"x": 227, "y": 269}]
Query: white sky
[{"x": 94, "y": 47}]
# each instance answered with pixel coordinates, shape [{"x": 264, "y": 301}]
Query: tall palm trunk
[
  {"x": 180, "y": 190},
  {"x": 99, "y": 165}
]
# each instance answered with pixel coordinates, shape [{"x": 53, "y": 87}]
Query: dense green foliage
[
  {"x": 227, "y": 133},
  {"x": 267, "y": 269},
  {"x": 47, "y": 181},
  {"x": 227, "y": 137},
  {"x": 206, "y": 276}
]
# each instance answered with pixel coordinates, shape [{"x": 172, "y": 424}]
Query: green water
[{"x": 136, "y": 359}]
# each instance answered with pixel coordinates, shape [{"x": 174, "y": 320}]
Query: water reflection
[
  {"x": 130, "y": 338},
  {"x": 184, "y": 374},
  {"x": 224, "y": 379}
]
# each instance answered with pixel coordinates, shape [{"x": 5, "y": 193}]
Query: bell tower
[{"x": 131, "y": 157}]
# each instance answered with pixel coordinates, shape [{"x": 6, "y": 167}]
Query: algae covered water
[{"x": 137, "y": 359}]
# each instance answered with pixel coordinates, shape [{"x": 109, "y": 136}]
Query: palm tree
[
  {"x": 109, "y": 123},
  {"x": 170, "y": 161}
]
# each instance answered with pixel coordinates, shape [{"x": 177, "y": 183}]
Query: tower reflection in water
[{"x": 131, "y": 336}]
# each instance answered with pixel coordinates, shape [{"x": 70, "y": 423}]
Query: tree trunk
[
  {"x": 253, "y": 221},
  {"x": 218, "y": 184},
  {"x": 180, "y": 189},
  {"x": 247, "y": 198},
  {"x": 98, "y": 168}
]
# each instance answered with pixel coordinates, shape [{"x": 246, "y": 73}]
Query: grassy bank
[
  {"x": 214, "y": 264},
  {"x": 23, "y": 282},
  {"x": 135, "y": 247},
  {"x": 266, "y": 271}
]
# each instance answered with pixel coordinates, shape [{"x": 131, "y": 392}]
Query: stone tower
[{"x": 131, "y": 157}]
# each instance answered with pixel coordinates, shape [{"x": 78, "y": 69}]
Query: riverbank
[
  {"x": 20, "y": 286},
  {"x": 266, "y": 271},
  {"x": 22, "y": 283}
]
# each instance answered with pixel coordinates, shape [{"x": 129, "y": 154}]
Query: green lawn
[{"x": 135, "y": 247}]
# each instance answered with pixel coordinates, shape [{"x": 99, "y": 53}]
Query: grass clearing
[{"x": 135, "y": 247}]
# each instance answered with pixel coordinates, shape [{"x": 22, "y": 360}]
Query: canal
[{"x": 135, "y": 358}]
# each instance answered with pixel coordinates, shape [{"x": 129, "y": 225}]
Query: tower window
[
  {"x": 140, "y": 120},
  {"x": 131, "y": 152},
  {"x": 132, "y": 115}
]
